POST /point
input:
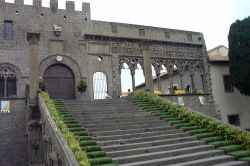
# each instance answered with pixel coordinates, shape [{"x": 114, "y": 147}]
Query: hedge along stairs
[
  {"x": 96, "y": 156},
  {"x": 135, "y": 137},
  {"x": 222, "y": 136}
]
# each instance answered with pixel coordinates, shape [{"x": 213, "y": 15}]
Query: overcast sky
[{"x": 211, "y": 17}]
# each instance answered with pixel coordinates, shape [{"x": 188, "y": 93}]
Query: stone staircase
[{"x": 134, "y": 137}]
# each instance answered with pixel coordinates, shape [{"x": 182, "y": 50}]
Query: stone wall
[
  {"x": 79, "y": 53},
  {"x": 13, "y": 135},
  {"x": 55, "y": 147}
]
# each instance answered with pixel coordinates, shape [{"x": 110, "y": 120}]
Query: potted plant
[
  {"x": 42, "y": 86},
  {"x": 82, "y": 86}
]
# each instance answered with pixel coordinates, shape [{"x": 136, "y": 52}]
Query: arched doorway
[
  {"x": 60, "y": 81},
  {"x": 100, "y": 85}
]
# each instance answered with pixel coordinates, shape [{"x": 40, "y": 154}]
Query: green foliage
[
  {"x": 231, "y": 148},
  {"x": 208, "y": 126},
  {"x": 41, "y": 85},
  {"x": 241, "y": 153},
  {"x": 72, "y": 141},
  {"x": 239, "y": 55},
  {"x": 82, "y": 86},
  {"x": 221, "y": 143},
  {"x": 213, "y": 139},
  {"x": 99, "y": 161}
]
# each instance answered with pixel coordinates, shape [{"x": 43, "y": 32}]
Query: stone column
[
  {"x": 132, "y": 72},
  {"x": 147, "y": 67},
  {"x": 35, "y": 149},
  {"x": 33, "y": 64},
  {"x": 192, "y": 82},
  {"x": 158, "y": 76},
  {"x": 116, "y": 92},
  {"x": 202, "y": 81},
  {"x": 181, "y": 75}
]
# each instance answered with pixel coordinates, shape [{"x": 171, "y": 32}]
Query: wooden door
[{"x": 60, "y": 82}]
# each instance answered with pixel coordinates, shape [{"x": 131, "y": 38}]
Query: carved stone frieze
[
  {"x": 7, "y": 71},
  {"x": 131, "y": 61}
]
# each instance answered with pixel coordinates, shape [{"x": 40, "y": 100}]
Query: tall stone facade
[{"x": 84, "y": 46}]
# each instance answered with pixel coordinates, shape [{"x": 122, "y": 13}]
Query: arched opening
[
  {"x": 60, "y": 81},
  {"x": 139, "y": 76},
  {"x": 8, "y": 81},
  {"x": 100, "y": 85},
  {"x": 126, "y": 78}
]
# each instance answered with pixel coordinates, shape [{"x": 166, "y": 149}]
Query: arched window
[
  {"x": 100, "y": 85},
  {"x": 7, "y": 82}
]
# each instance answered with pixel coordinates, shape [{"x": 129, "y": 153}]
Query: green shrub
[
  {"x": 92, "y": 148},
  {"x": 100, "y": 161},
  {"x": 204, "y": 135},
  {"x": 221, "y": 143},
  {"x": 205, "y": 122},
  {"x": 231, "y": 148},
  {"x": 213, "y": 139},
  {"x": 82, "y": 86},
  {"x": 72, "y": 141},
  {"x": 241, "y": 153}
]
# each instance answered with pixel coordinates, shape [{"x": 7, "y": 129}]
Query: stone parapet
[{"x": 55, "y": 147}]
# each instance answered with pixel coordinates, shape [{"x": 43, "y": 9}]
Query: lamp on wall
[{"x": 59, "y": 58}]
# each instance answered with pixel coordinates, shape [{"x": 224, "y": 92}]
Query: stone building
[
  {"x": 72, "y": 47},
  {"x": 66, "y": 46},
  {"x": 233, "y": 106}
]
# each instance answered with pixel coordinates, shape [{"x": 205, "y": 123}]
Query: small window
[
  {"x": 8, "y": 30},
  {"x": 141, "y": 32},
  {"x": 11, "y": 87},
  {"x": 1, "y": 87},
  {"x": 234, "y": 119},
  {"x": 228, "y": 86}
]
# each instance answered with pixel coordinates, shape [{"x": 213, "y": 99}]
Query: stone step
[
  {"x": 152, "y": 149},
  {"x": 147, "y": 144},
  {"x": 233, "y": 163},
  {"x": 207, "y": 161},
  {"x": 109, "y": 111},
  {"x": 161, "y": 154},
  {"x": 114, "y": 115},
  {"x": 143, "y": 139},
  {"x": 115, "y": 120},
  {"x": 125, "y": 124},
  {"x": 176, "y": 159},
  {"x": 104, "y": 108},
  {"x": 131, "y": 131},
  {"x": 125, "y": 127},
  {"x": 136, "y": 135}
]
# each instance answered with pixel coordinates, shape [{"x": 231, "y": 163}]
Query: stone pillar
[
  {"x": 147, "y": 67},
  {"x": 158, "y": 76},
  {"x": 132, "y": 72},
  {"x": 33, "y": 64},
  {"x": 202, "y": 81},
  {"x": 181, "y": 81},
  {"x": 192, "y": 82},
  {"x": 35, "y": 150},
  {"x": 116, "y": 92}
]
